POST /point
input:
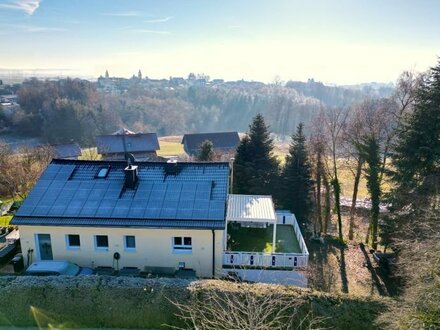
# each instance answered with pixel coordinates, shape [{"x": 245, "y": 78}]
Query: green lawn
[{"x": 260, "y": 239}]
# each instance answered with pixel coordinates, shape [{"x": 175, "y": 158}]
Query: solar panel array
[{"x": 70, "y": 189}]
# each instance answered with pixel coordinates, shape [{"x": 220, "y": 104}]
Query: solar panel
[
  {"x": 67, "y": 189},
  {"x": 74, "y": 207},
  {"x": 41, "y": 210},
  {"x": 104, "y": 212},
  {"x": 157, "y": 195},
  {"x": 112, "y": 193},
  {"x": 152, "y": 213},
  {"x": 136, "y": 212},
  {"x": 200, "y": 214},
  {"x": 184, "y": 213},
  {"x": 97, "y": 194}
]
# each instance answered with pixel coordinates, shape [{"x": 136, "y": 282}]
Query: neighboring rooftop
[
  {"x": 71, "y": 150},
  {"x": 222, "y": 141},
  {"x": 251, "y": 208},
  {"x": 70, "y": 193},
  {"x": 127, "y": 142}
]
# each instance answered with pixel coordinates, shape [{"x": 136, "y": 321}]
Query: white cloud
[
  {"x": 123, "y": 14},
  {"x": 160, "y": 20},
  {"x": 150, "y": 31},
  {"x": 36, "y": 28},
  {"x": 28, "y": 6}
]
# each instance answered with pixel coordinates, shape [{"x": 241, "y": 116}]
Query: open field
[{"x": 170, "y": 148}]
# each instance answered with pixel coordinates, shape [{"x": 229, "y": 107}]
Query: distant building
[
  {"x": 224, "y": 142},
  {"x": 142, "y": 146},
  {"x": 67, "y": 151}
]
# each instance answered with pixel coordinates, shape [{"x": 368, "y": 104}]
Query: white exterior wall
[{"x": 153, "y": 247}]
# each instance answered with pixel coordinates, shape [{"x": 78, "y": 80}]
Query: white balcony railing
[{"x": 265, "y": 259}]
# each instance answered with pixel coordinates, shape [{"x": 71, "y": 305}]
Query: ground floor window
[
  {"x": 73, "y": 241},
  {"x": 130, "y": 243},
  {"x": 101, "y": 242},
  {"x": 182, "y": 244}
]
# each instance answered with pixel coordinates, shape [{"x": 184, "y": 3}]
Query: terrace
[{"x": 257, "y": 236}]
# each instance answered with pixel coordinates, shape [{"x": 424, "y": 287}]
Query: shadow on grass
[{"x": 376, "y": 282}]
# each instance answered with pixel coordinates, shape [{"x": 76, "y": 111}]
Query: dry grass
[
  {"x": 4, "y": 220},
  {"x": 170, "y": 148}
]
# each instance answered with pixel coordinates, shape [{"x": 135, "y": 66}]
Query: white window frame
[
  {"x": 72, "y": 247},
  {"x": 182, "y": 248},
  {"x": 129, "y": 249},
  {"x": 101, "y": 248}
]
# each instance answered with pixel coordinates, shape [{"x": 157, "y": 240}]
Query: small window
[
  {"x": 130, "y": 242},
  {"x": 73, "y": 241},
  {"x": 103, "y": 172},
  {"x": 182, "y": 244},
  {"x": 101, "y": 242}
]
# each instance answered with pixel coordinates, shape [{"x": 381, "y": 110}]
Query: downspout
[{"x": 213, "y": 253}]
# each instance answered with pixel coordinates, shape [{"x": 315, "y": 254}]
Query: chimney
[
  {"x": 171, "y": 167},
  {"x": 131, "y": 176}
]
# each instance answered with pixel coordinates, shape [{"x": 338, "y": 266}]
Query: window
[
  {"x": 73, "y": 241},
  {"x": 130, "y": 243},
  {"x": 101, "y": 242},
  {"x": 102, "y": 172},
  {"x": 182, "y": 244}
]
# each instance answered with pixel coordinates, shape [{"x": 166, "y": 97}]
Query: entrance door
[{"x": 44, "y": 246}]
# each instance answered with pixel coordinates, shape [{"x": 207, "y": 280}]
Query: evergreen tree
[
  {"x": 255, "y": 166},
  {"x": 371, "y": 153},
  {"x": 417, "y": 153},
  {"x": 106, "y": 74},
  {"x": 296, "y": 182},
  {"x": 205, "y": 152}
]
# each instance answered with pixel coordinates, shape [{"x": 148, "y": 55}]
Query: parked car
[{"x": 57, "y": 267}]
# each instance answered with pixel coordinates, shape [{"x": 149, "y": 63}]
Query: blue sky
[{"x": 338, "y": 41}]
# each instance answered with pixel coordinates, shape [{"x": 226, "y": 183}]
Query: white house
[{"x": 154, "y": 215}]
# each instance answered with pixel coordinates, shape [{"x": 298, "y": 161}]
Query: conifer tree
[
  {"x": 417, "y": 154},
  {"x": 255, "y": 166},
  {"x": 296, "y": 182},
  {"x": 205, "y": 152}
]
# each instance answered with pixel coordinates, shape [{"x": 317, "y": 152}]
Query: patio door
[{"x": 44, "y": 246}]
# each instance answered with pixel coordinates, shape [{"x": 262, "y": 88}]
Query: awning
[{"x": 251, "y": 208}]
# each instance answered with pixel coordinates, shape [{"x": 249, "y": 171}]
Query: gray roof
[
  {"x": 143, "y": 142},
  {"x": 222, "y": 141},
  {"x": 67, "y": 150},
  {"x": 69, "y": 194}
]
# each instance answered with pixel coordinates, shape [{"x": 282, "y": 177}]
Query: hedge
[{"x": 124, "y": 302}]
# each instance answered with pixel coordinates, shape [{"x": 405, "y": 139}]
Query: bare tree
[
  {"x": 19, "y": 171},
  {"x": 248, "y": 307},
  {"x": 334, "y": 122}
]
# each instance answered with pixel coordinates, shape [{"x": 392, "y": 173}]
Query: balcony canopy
[{"x": 251, "y": 208}]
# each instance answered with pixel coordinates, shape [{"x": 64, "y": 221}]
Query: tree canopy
[
  {"x": 255, "y": 166},
  {"x": 295, "y": 182}
]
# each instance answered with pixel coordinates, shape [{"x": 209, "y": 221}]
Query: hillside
[{"x": 72, "y": 109}]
